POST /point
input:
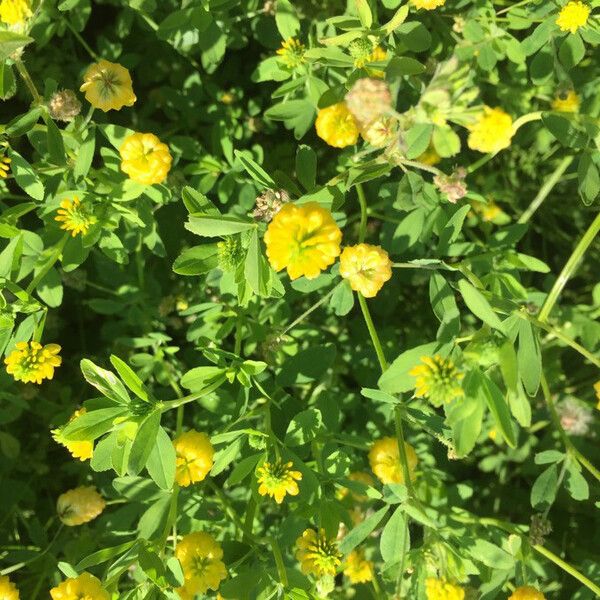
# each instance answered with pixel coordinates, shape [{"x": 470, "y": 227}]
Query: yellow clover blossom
[
  {"x": 74, "y": 217},
  {"x": 32, "y": 362},
  {"x": 358, "y": 568},
  {"x": 291, "y": 53},
  {"x": 194, "y": 457},
  {"x": 384, "y": 458},
  {"x": 317, "y": 554},
  {"x": 573, "y": 15},
  {"x": 304, "y": 239},
  {"x": 366, "y": 267},
  {"x": 527, "y": 592},
  {"x": 437, "y": 379},
  {"x": 428, "y": 4},
  {"x": 15, "y": 12},
  {"x": 597, "y": 390},
  {"x": 83, "y": 587},
  {"x": 277, "y": 479},
  {"x": 83, "y": 449},
  {"x": 108, "y": 86},
  {"x": 200, "y": 557},
  {"x": 567, "y": 102},
  {"x": 492, "y": 132},
  {"x": 80, "y": 505},
  {"x": 145, "y": 158},
  {"x": 439, "y": 589},
  {"x": 337, "y": 126},
  {"x": 8, "y": 590},
  {"x": 4, "y": 166}
]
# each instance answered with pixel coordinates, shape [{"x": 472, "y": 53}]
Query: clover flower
[
  {"x": 75, "y": 217},
  {"x": 384, "y": 458},
  {"x": 492, "y": 132},
  {"x": 15, "y": 12},
  {"x": 453, "y": 185},
  {"x": 108, "y": 86},
  {"x": 358, "y": 569},
  {"x": 64, "y": 105},
  {"x": 575, "y": 417},
  {"x": 291, "y": 53},
  {"x": 82, "y": 587},
  {"x": 566, "y": 102},
  {"x": 200, "y": 557},
  {"x": 145, "y": 158},
  {"x": 79, "y": 505},
  {"x": 368, "y": 100},
  {"x": 304, "y": 239},
  {"x": 83, "y": 449},
  {"x": 573, "y": 15},
  {"x": 4, "y": 166},
  {"x": 278, "y": 479},
  {"x": 194, "y": 457},
  {"x": 527, "y": 592},
  {"x": 269, "y": 203},
  {"x": 380, "y": 132},
  {"x": 366, "y": 268},
  {"x": 229, "y": 253},
  {"x": 8, "y": 590},
  {"x": 597, "y": 390},
  {"x": 428, "y": 4},
  {"x": 32, "y": 362},
  {"x": 437, "y": 379},
  {"x": 337, "y": 126},
  {"x": 363, "y": 51},
  {"x": 317, "y": 554},
  {"x": 440, "y": 589}
]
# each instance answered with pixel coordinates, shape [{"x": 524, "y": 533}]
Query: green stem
[
  {"x": 362, "y": 200},
  {"x": 569, "y": 268},
  {"x": 80, "y": 39},
  {"x": 249, "y": 518},
  {"x": 24, "y": 73},
  {"x": 372, "y": 332},
  {"x": 48, "y": 264},
  {"x": 402, "y": 449},
  {"x": 310, "y": 310},
  {"x": 171, "y": 404},
  {"x": 279, "y": 562}
]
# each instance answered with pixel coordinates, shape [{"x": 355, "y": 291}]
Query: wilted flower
[
  {"x": 492, "y": 132},
  {"x": 437, "y": 379},
  {"x": 368, "y": 100},
  {"x": 384, "y": 458},
  {"x": 32, "y": 362},
  {"x": 278, "y": 479},
  {"x": 200, "y": 557},
  {"x": 539, "y": 528},
  {"x": 336, "y": 125},
  {"x": 108, "y": 86},
  {"x": 80, "y": 505},
  {"x": 83, "y": 450},
  {"x": 358, "y": 569},
  {"x": 366, "y": 268},
  {"x": 527, "y": 592},
  {"x": 573, "y": 15},
  {"x": 317, "y": 554},
  {"x": 82, "y": 587},
  {"x": 380, "y": 132},
  {"x": 440, "y": 589},
  {"x": 567, "y": 101},
  {"x": 145, "y": 158},
  {"x": 64, "y": 105},
  {"x": 15, "y": 12},
  {"x": 269, "y": 203},
  {"x": 452, "y": 185},
  {"x": 291, "y": 53},
  {"x": 8, "y": 590},
  {"x": 575, "y": 417},
  {"x": 74, "y": 216},
  {"x": 194, "y": 457},
  {"x": 428, "y": 4}
]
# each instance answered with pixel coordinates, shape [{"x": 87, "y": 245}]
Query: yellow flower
[
  {"x": 567, "y": 102},
  {"x": 277, "y": 479},
  {"x": 428, "y": 4},
  {"x": 82, "y": 450},
  {"x": 366, "y": 267},
  {"x": 14, "y": 12},
  {"x": 384, "y": 458},
  {"x": 336, "y": 125},
  {"x": 200, "y": 557},
  {"x": 80, "y": 505},
  {"x": 573, "y": 15},
  {"x": 74, "y": 217},
  {"x": 194, "y": 457},
  {"x": 4, "y": 167},
  {"x": 437, "y": 379},
  {"x": 83, "y": 587},
  {"x": 358, "y": 568},
  {"x": 145, "y": 158},
  {"x": 527, "y": 592},
  {"x": 8, "y": 590},
  {"x": 33, "y": 362},
  {"x": 439, "y": 589},
  {"x": 597, "y": 390},
  {"x": 492, "y": 132},
  {"x": 304, "y": 239},
  {"x": 108, "y": 86},
  {"x": 317, "y": 555},
  {"x": 291, "y": 53}
]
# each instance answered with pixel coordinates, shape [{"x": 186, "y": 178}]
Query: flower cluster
[
  {"x": 278, "y": 479},
  {"x": 194, "y": 457},
  {"x": 337, "y": 125},
  {"x": 317, "y": 554},
  {"x": 81, "y": 449},
  {"x": 74, "y": 216},
  {"x": 15, "y": 12},
  {"x": 366, "y": 268},
  {"x": 108, "y": 86},
  {"x": 32, "y": 362},
  {"x": 527, "y": 593},
  {"x": 8, "y": 590},
  {"x": 358, "y": 569},
  {"x": 573, "y": 15},
  {"x": 492, "y": 132},
  {"x": 83, "y": 587},
  {"x": 80, "y": 505},
  {"x": 384, "y": 458},
  {"x": 438, "y": 380},
  {"x": 145, "y": 158},
  {"x": 439, "y": 589}
]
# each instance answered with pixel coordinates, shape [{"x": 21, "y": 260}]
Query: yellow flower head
[
  {"x": 82, "y": 450},
  {"x": 573, "y": 15},
  {"x": 291, "y": 53},
  {"x": 4, "y": 167},
  {"x": 277, "y": 479},
  {"x": 83, "y": 587},
  {"x": 336, "y": 125},
  {"x": 527, "y": 592},
  {"x": 439, "y": 589},
  {"x": 317, "y": 554},
  {"x": 74, "y": 217},
  {"x": 304, "y": 239},
  {"x": 366, "y": 267},
  {"x": 8, "y": 590},
  {"x": 437, "y": 379},
  {"x": 200, "y": 557},
  {"x": 597, "y": 390},
  {"x": 108, "y": 86},
  {"x": 145, "y": 158},
  {"x": 80, "y": 505},
  {"x": 566, "y": 102},
  {"x": 492, "y": 131},
  {"x": 194, "y": 457},
  {"x": 428, "y": 4},
  {"x": 384, "y": 458},
  {"x": 32, "y": 362},
  {"x": 358, "y": 568},
  {"x": 15, "y": 12}
]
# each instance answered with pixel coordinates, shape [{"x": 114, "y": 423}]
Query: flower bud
[{"x": 64, "y": 105}]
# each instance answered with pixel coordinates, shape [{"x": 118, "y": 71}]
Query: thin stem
[
  {"x": 80, "y": 39},
  {"x": 402, "y": 449},
  {"x": 545, "y": 190},
  {"x": 24, "y": 73},
  {"x": 372, "y": 332},
  {"x": 171, "y": 404},
  {"x": 310, "y": 310},
  {"x": 569, "y": 268},
  {"x": 362, "y": 200},
  {"x": 249, "y": 518},
  {"x": 49, "y": 264},
  {"x": 279, "y": 562}
]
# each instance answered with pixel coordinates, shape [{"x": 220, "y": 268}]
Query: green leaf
[
  {"x": 101, "y": 556},
  {"x": 304, "y": 427},
  {"x": 478, "y": 304},
  {"x": 131, "y": 380},
  {"x": 161, "y": 461},
  {"x": 23, "y": 123},
  {"x": 196, "y": 202},
  {"x": 306, "y": 167},
  {"x": 85, "y": 154},
  {"x": 417, "y": 139},
  {"x": 286, "y": 19},
  {"x": 399, "y": 66},
  {"x": 342, "y": 299},
  {"x": 544, "y": 488},
  {"x": 212, "y": 226},
  {"x": 56, "y": 147},
  {"x": 529, "y": 357},
  {"x": 198, "y": 378},
  {"x": 144, "y": 442},
  {"x": 8, "y": 85},
  {"x": 256, "y": 267},
  {"x": 92, "y": 424},
  {"x": 254, "y": 169},
  {"x": 197, "y": 260},
  {"x": 395, "y": 537},
  {"x": 588, "y": 175},
  {"x": 106, "y": 382},
  {"x": 565, "y": 130},
  {"x": 575, "y": 482},
  {"x": 397, "y": 20},
  {"x": 445, "y": 141},
  {"x": 306, "y": 366},
  {"x": 243, "y": 468},
  {"x": 490, "y": 555},
  {"x": 364, "y": 13},
  {"x": 499, "y": 409},
  {"x": 396, "y": 379},
  {"x": 10, "y": 42},
  {"x": 362, "y": 530},
  {"x": 571, "y": 51},
  {"x": 25, "y": 176}
]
